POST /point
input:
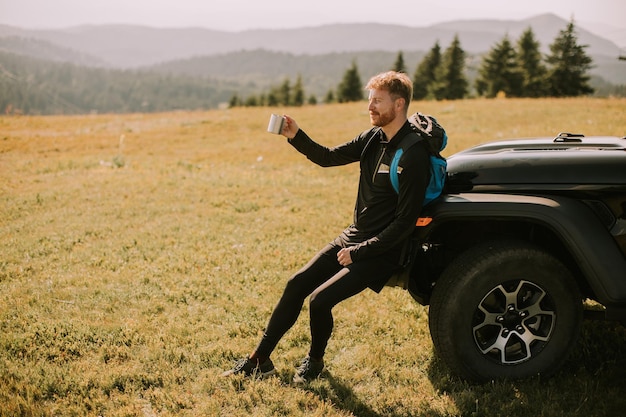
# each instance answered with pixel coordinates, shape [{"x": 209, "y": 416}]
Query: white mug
[{"x": 276, "y": 124}]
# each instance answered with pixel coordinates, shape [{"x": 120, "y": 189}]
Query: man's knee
[
  {"x": 318, "y": 302},
  {"x": 297, "y": 286}
]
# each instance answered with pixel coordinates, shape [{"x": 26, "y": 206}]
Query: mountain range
[
  {"x": 127, "y": 46},
  {"x": 256, "y": 59}
]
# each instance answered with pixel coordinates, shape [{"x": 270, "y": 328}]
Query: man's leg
[
  {"x": 323, "y": 266},
  {"x": 345, "y": 284}
]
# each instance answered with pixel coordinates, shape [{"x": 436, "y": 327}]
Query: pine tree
[
  {"x": 284, "y": 93},
  {"x": 272, "y": 98},
  {"x": 529, "y": 61},
  {"x": 425, "y": 72},
  {"x": 251, "y": 101},
  {"x": 298, "y": 92},
  {"x": 350, "y": 88},
  {"x": 499, "y": 71},
  {"x": 568, "y": 65},
  {"x": 450, "y": 82},
  {"x": 399, "y": 65},
  {"x": 330, "y": 97},
  {"x": 234, "y": 101}
]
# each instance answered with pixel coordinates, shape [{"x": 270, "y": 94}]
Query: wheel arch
[{"x": 566, "y": 228}]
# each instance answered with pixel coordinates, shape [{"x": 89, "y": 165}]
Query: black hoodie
[{"x": 383, "y": 219}]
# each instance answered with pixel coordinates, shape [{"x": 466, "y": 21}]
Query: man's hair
[{"x": 398, "y": 84}]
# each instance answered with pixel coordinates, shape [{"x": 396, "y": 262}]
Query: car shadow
[{"x": 590, "y": 383}]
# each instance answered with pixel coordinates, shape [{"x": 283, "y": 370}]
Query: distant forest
[{"x": 31, "y": 86}]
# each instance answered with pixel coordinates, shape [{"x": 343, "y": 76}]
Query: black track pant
[{"x": 328, "y": 283}]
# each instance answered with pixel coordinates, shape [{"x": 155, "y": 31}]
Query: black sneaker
[
  {"x": 308, "y": 370},
  {"x": 251, "y": 368}
]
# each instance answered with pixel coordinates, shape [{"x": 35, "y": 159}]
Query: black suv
[{"x": 528, "y": 235}]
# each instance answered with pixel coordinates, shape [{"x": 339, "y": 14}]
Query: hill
[{"x": 125, "y": 46}]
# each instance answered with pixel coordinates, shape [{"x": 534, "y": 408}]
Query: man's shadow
[{"x": 343, "y": 397}]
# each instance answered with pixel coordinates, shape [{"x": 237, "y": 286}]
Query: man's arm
[{"x": 321, "y": 155}]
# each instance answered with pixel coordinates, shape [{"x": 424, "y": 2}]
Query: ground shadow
[
  {"x": 344, "y": 398},
  {"x": 591, "y": 383}
]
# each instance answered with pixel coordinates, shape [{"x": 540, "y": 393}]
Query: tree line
[{"x": 506, "y": 70}]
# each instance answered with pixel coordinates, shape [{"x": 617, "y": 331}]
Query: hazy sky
[{"x": 239, "y": 15}]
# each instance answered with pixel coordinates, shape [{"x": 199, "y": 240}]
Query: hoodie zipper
[{"x": 380, "y": 159}]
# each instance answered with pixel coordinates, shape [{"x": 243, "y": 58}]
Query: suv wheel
[{"x": 504, "y": 310}]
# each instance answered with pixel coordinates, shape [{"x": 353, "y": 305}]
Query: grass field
[{"x": 141, "y": 254}]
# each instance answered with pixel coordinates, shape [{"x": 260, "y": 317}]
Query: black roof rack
[{"x": 569, "y": 137}]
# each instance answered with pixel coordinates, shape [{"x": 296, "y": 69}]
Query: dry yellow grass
[{"x": 141, "y": 254}]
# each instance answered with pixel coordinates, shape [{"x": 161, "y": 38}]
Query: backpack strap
[
  {"x": 407, "y": 141},
  {"x": 393, "y": 170}
]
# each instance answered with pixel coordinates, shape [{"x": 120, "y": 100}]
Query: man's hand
[
  {"x": 344, "y": 258},
  {"x": 290, "y": 127}
]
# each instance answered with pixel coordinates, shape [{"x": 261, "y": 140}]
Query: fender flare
[{"x": 582, "y": 233}]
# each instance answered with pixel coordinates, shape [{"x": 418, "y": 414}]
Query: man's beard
[{"x": 383, "y": 119}]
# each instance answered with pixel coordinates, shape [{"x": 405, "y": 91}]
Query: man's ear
[{"x": 400, "y": 103}]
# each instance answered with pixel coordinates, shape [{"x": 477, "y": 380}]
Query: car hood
[{"x": 540, "y": 164}]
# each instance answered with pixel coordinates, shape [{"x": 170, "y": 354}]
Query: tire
[{"x": 504, "y": 310}]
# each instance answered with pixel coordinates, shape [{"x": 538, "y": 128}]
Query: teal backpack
[{"x": 436, "y": 138}]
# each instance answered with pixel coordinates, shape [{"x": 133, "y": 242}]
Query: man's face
[{"x": 382, "y": 107}]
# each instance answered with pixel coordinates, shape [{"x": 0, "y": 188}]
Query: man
[{"x": 367, "y": 253}]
